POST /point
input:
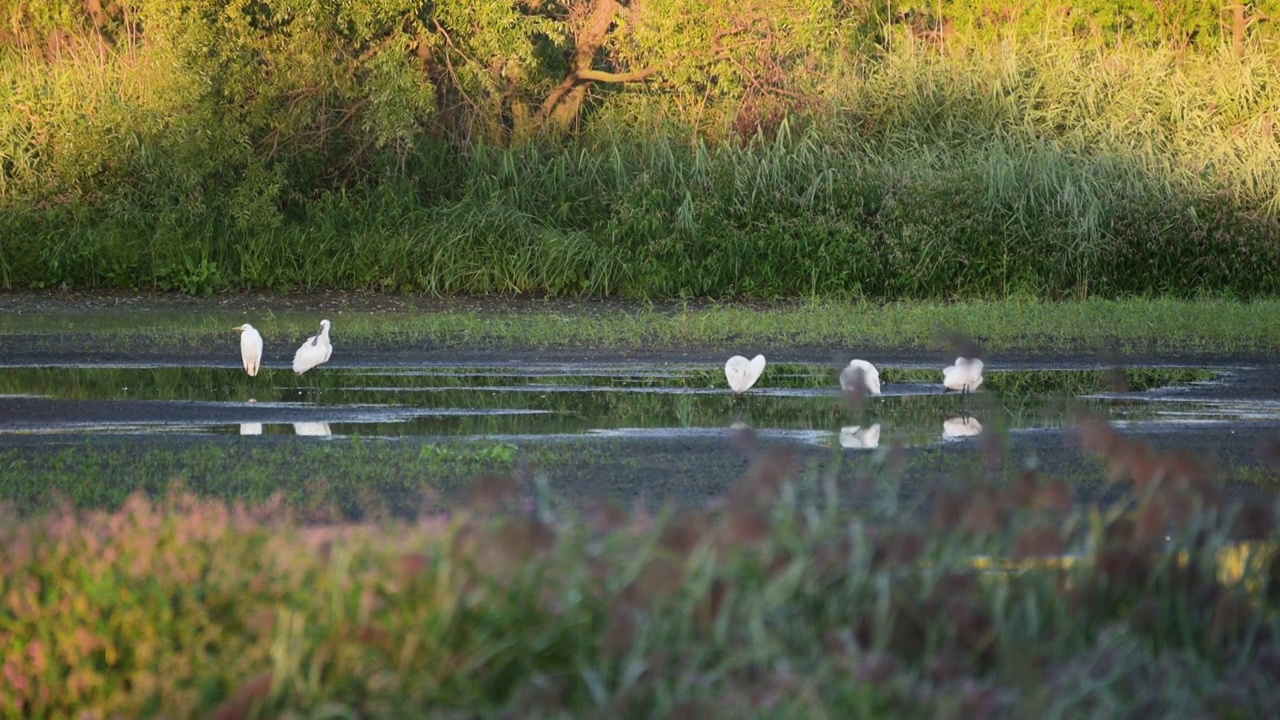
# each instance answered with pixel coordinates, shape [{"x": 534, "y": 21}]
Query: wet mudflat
[{"x": 400, "y": 435}]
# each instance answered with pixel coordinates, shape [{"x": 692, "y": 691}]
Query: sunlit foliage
[{"x": 644, "y": 148}]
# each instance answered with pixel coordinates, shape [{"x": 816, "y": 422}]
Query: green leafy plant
[{"x": 192, "y": 277}]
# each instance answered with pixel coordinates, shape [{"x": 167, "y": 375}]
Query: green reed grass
[
  {"x": 809, "y": 330},
  {"x": 1043, "y": 167}
]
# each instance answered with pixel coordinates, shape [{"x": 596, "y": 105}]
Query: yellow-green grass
[
  {"x": 1044, "y": 164},
  {"x": 1156, "y": 326}
]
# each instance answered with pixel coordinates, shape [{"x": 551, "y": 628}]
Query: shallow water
[{"x": 798, "y": 401}]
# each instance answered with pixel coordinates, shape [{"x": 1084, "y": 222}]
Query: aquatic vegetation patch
[{"x": 350, "y": 479}]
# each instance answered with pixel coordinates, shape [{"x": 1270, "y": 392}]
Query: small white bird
[
  {"x": 250, "y": 348},
  {"x": 858, "y": 438},
  {"x": 312, "y": 429},
  {"x": 315, "y": 351},
  {"x": 742, "y": 373},
  {"x": 958, "y": 427},
  {"x": 965, "y": 375},
  {"x": 250, "y": 428},
  {"x": 860, "y": 372}
]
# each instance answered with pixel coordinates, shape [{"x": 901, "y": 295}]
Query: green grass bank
[
  {"x": 773, "y": 150},
  {"x": 201, "y": 328}
]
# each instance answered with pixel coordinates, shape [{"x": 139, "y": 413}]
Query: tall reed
[{"x": 1049, "y": 167}]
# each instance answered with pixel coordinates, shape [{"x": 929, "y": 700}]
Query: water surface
[{"x": 794, "y": 400}]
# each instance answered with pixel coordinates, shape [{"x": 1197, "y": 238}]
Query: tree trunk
[
  {"x": 562, "y": 105},
  {"x": 1238, "y": 26}
]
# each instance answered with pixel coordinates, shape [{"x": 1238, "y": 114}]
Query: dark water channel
[
  {"x": 655, "y": 432},
  {"x": 802, "y": 402}
]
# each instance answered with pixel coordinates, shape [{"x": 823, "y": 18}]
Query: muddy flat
[
  {"x": 97, "y": 399},
  {"x": 401, "y": 424}
]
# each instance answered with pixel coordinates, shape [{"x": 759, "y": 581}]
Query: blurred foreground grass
[{"x": 759, "y": 606}]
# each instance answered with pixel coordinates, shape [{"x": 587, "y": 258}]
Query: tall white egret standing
[
  {"x": 315, "y": 351},
  {"x": 860, "y": 373},
  {"x": 742, "y": 373},
  {"x": 964, "y": 376},
  {"x": 250, "y": 348},
  {"x": 858, "y": 438}
]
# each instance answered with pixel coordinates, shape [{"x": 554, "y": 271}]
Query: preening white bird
[
  {"x": 958, "y": 427},
  {"x": 965, "y": 375},
  {"x": 742, "y": 373},
  {"x": 250, "y": 348},
  {"x": 860, "y": 372},
  {"x": 315, "y": 351},
  {"x": 859, "y": 438}
]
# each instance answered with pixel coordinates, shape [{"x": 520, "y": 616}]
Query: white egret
[
  {"x": 315, "y": 351},
  {"x": 860, "y": 373},
  {"x": 965, "y": 375},
  {"x": 312, "y": 429},
  {"x": 857, "y": 438},
  {"x": 250, "y": 428},
  {"x": 958, "y": 427},
  {"x": 250, "y": 348},
  {"x": 742, "y": 373}
]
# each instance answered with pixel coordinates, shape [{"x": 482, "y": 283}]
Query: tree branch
[
  {"x": 591, "y": 37},
  {"x": 587, "y": 43},
  {"x": 612, "y": 77}
]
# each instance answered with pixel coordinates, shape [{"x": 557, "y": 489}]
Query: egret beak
[{"x": 238, "y": 328}]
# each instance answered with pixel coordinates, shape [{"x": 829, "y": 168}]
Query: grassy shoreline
[{"x": 1158, "y": 326}]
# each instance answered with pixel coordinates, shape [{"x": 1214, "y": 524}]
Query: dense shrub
[{"x": 764, "y": 149}]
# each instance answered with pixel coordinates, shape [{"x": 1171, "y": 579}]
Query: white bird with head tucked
[
  {"x": 860, "y": 373},
  {"x": 964, "y": 376},
  {"x": 315, "y": 351},
  {"x": 743, "y": 373},
  {"x": 250, "y": 348}
]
